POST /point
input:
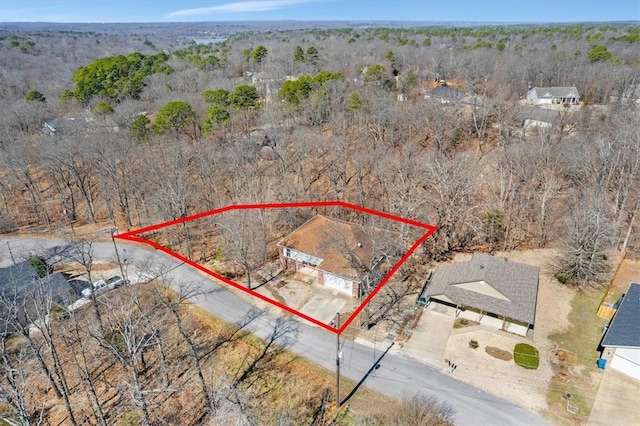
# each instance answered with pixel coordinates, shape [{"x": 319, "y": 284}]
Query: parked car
[{"x": 101, "y": 286}]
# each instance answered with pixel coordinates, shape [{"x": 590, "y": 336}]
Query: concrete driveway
[
  {"x": 616, "y": 401},
  {"x": 429, "y": 339},
  {"x": 324, "y": 304}
]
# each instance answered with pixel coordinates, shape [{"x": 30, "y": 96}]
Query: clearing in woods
[{"x": 148, "y": 235}]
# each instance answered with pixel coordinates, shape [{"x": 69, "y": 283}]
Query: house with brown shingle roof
[
  {"x": 338, "y": 254},
  {"x": 489, "y": 290}
]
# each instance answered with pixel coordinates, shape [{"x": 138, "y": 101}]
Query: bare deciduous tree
[
  {"x": 449, "y": 190},
  {"x": 245, "y": 240},
  {"x": 584, "y": 260},
  {"x": 126, "y": 337},
  {"x": 419, "y": 409}
]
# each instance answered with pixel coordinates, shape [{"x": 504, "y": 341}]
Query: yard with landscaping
[{"x": 562, "y": 381}]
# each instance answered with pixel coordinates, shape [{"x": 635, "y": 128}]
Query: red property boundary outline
[{"x": 430, "y": 229}]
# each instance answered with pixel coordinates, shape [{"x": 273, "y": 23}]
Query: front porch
[{"x": 487, "y": 319}]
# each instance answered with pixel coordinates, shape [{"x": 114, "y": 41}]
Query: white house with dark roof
[
  {"x": 491, "y": 291},
  {"x": 554, "y": 95},
  {"x": 621, "y": 342}
]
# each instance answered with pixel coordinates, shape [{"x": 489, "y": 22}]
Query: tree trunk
[
  {"x": 138, "y": 394},
  {"x": 84, "y": 191},
  {"x": 17, "y": 400},
  {"x": 196, "y": 360}
]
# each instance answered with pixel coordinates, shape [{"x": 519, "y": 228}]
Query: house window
[{"x": 303, "y": 258}]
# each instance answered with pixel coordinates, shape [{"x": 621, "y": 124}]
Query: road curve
[{"x": 387, "y": 373}]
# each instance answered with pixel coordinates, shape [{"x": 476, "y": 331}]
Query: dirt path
[{"x": 628, "y": 272}]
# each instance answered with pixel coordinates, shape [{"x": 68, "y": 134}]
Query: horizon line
[{"x": 330, "y": 21}]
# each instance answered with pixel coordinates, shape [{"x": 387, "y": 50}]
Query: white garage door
[
  {"x": 627, "y": 361},
  {"x": 339, "y": 283}
]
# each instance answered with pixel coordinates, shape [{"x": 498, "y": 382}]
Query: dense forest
[
  {"x": 127, "y": 126},
  {"x": 142, "y": 128}
]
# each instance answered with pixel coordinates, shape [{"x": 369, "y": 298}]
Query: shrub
[
  {"x": 40, "y": 265},
  {"x": 419, "y": 409},
  {"x": 103, "y": 109},
  {"x": 59, "y": 313},
  {"x": 526, "y": 356},
  {"x": 473, "y": 344},
  {"x": 35, "y": 96},
  {"x": 130, "y": 418}
]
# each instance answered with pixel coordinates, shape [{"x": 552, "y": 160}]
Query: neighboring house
[
  {"x": 21, "y": 290},
  {"x": 491, "y": 291},
  {"x": 621, "y": 342},
  {"x": 61, "y": 126},
  {"x": 540, "y": 118},
  {"x": 75, "y": 125},
  {"x": 554, "y": 95},
  {"x": 54, "y": 126},
  {"x": 337, "y": 254},
  {"x": 444, "y": 94}
]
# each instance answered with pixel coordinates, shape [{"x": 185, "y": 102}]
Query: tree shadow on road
[{"x": 371, "y": 370}]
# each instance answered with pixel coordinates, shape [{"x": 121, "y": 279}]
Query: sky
[{"x": 490, "y": 11}]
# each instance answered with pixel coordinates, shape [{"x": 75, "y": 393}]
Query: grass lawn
[
  {"x": 526, "y": 356},
  {"x": 582, "y": 338}
]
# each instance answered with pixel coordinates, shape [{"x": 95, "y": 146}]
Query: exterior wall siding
[
  {"x": 295, "y": 265},
  {"x": 493, "y": 322},
  {"x": 627, "y": 361}
]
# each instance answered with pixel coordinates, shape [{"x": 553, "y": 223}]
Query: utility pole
[
  {"x": 338, "y": 356},
  {"x": 11, "y": 253},
  {"x": 117, "y": 254}
]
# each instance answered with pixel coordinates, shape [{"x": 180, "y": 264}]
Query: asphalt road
[{"x": 390, "y": 374}]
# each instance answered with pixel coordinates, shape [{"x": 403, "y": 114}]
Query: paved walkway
[
  {"x": 616, "y": 401},
  {"x": 429, "y": 339}
]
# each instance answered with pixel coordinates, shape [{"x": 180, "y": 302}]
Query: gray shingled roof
[
  {"x": 17, "y": 283},
  {"x": 516, "y": 281},
  {"x": 557, "y": 92},
  {"x": 624, "y": 330},
  {"x": 445, "y": 92},
  {"x": 16, "y": 279}
]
